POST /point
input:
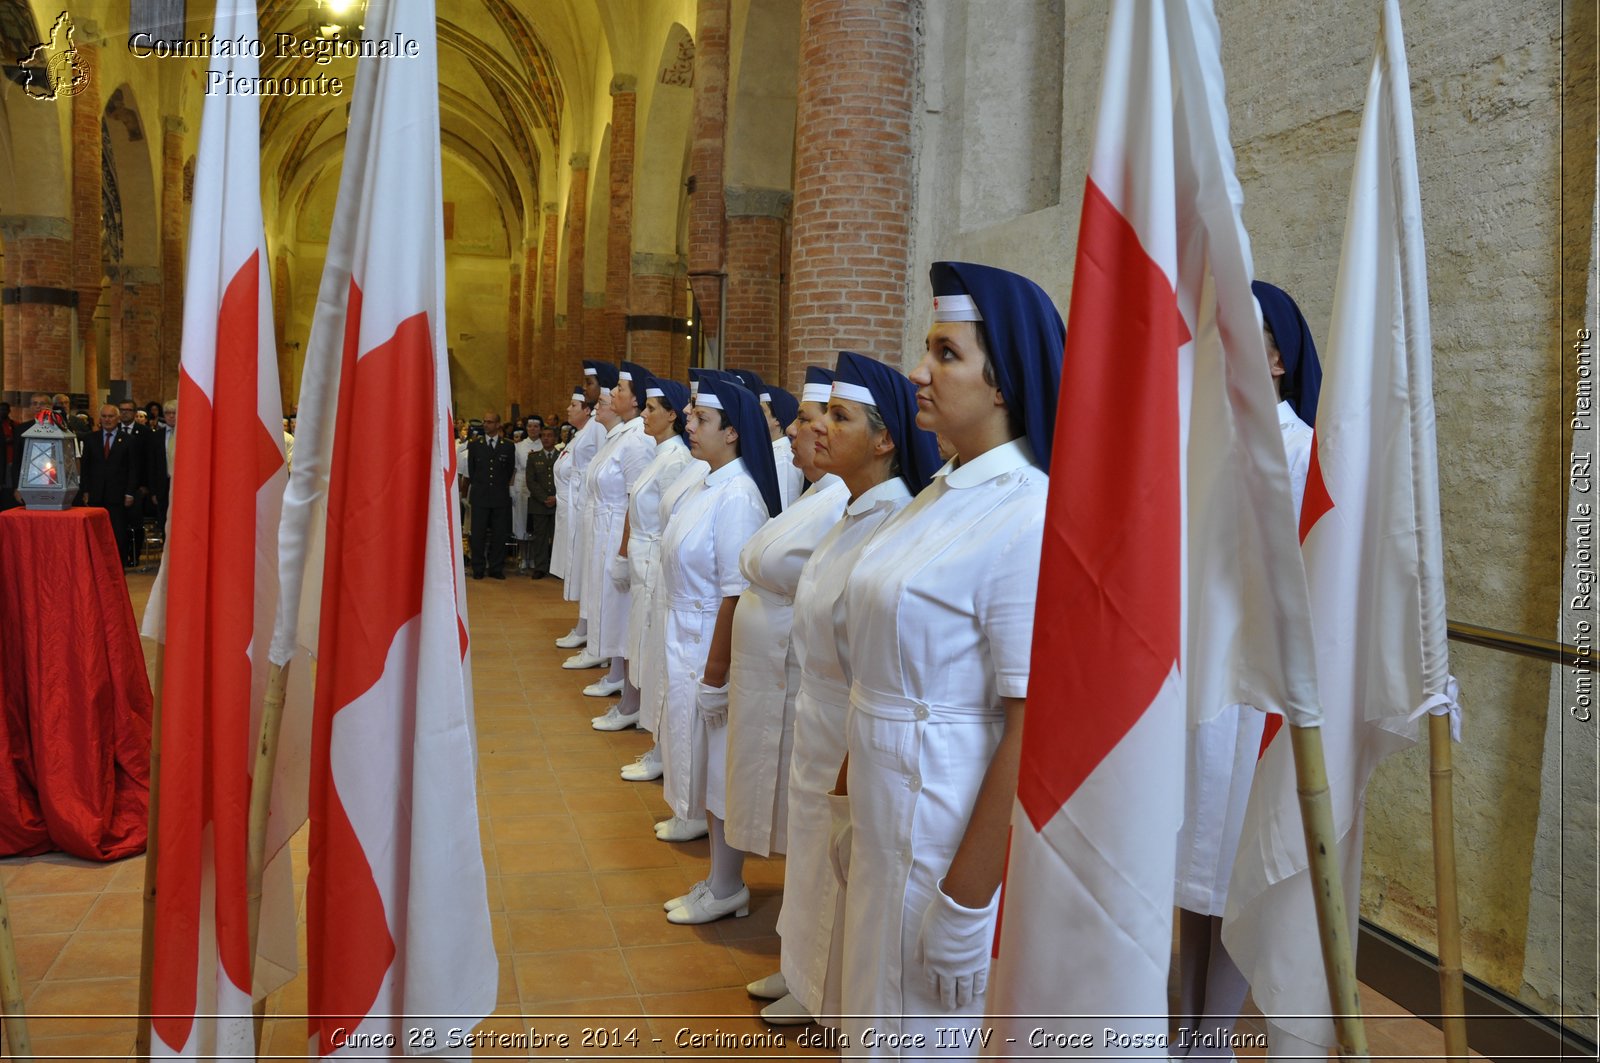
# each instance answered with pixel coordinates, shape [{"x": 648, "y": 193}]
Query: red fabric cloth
[{"x": 74, "y": 697}]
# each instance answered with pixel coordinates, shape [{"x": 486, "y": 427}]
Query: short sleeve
[
  {"x": 1006, "y": 598},
  {"x": 739, "y": 514}
]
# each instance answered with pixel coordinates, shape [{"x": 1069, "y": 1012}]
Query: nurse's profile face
[
  {"x": 952, "y": 395},
  {"x": 808, "y": 426},
  {"x": 850, "y": 444},
  {"x": 708, "y": 440}
]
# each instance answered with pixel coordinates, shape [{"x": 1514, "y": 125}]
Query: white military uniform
[
  {"x": 939, "y": 621},
  {"x": 519, "y": 489},
  {"x": 626, "y": 452},
  {"x": 669, "y": 462},
  {"x": 1223, "y": 752},
  {"x": 791, "y": 481},
  {"x": 561, "y": 538},
  {"x": 765, "y": 677},
  {"x": 810, "y": 891},
  {"x": 700, "y": 567},
  {"x": 653, "y": 654},
  {"x": 584, "y": 446}
]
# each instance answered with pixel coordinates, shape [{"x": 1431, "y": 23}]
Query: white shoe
[
  {"x": 584, "y": 659},
  {"x": 680, "y": 830},
  {"x": 613, "y": 720},
  {"x": 571, "y": 641},
  {"x": 702, "y": 907},
  {"x": 772, "y": 987},
  {"x": 603, "y": 688},
  {"x": 786, "y": 1012},
  {"x": 683, "y": 899},
  {"x": 646, "y": 768}
]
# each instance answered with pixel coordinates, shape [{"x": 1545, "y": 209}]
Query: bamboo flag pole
[
  {"x": 11, "y": 1009},
  {"x": 147, "y": 944},
  {"x": 260, "y": 807},
  {"x": 1333, "y": 924},
  {"x": 1452, "y": 997}
]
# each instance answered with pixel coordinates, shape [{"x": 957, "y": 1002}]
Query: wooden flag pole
[
  {"x": 147, "y": 944},
  {"x": 1333, "y": 924},
  {"x": 11, "y": 1009},
  {"x": 260, "y": 808},
  {"x": 1452, "y": 997}
]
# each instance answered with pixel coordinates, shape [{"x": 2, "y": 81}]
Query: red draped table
[{"x": 74, "y": 696}]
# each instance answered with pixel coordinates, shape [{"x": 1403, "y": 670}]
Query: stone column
[
  {"x": 549, "y": 372},
  {"x": 596, "y": 341},
  {"x": 514, "y": 338},
  {"x": 651, "y": 331},
  {"x": 619, "y": 233},
  {"x": 287, "y": 391},
  {"x": 136, "y": 328},
  {"x": 756, "y": 218},
  {"x": 37, "y": 303},
  {"x": 172, "y": 131},
  {"x": 87, "y": 206},
  {"x": 710, "y": 125},
  {"x": 528, "y": 326},
  {"x": 115, "y": 369},
  {"x": 850, "y": 243}
]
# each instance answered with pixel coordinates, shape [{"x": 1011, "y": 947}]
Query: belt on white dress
[
  {"x": 887, "y": 706},
  {"x": 689, "y": 603},
  {"x": 825, "y": 688},
  {"x": 772, "y": 597}
]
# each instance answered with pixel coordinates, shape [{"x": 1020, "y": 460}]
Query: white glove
[
  {"x": 840, "y": 836},
  {"x": 954, "y": 946},
  {"x": 639, "y": 569},
  {"x": 712, "y": 703},
  {"x": 620, "y": 579}
]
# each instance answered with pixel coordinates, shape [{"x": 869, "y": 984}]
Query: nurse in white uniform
[
  {"x": 665, "y": 422},
  {"x": 765, "y": 677},
  {"x": 939, "y": 626},
  {"x": 790, "y": 480},
  {"x": 868, "y": 438},
  {"x": 700, "y": 567},
  {"x": 561, "y": 538},
  {"x": 1223, "y": 751},
  {"x": 583, "y": 447}
]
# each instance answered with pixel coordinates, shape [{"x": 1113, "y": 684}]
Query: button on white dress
[
  {"x": 811, "y": 897},
  {"x": 700, "y": 567},
  {"x": 668, "y": 462},
  {"x": 619, "y": 462},
  {"x": 1223, "y": 752},
  {"x": 939, "y": 621},
  {"x": 765, "y": 677}
]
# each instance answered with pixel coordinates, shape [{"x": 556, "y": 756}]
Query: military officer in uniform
[
  {"x": 542, "y": 503},
  {"x": 491, "y": 464}
]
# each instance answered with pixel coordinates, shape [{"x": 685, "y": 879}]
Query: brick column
[
  {"x": 37, "y": 303},
  {"x": 619, "y": 233},
  {"x": 172, "y": 131},
  {"x": 850, "y": 242},
  {"x": 549, "y": 372},
  {"x": 756, "y": 218},
  {"x": 86, "y": 207},
  {"x": 650, "y": 322},
  {"x": 115, "y": 369},
  {"x": 577, "y": 230},
  {"x": 136, "y": 330},
  {"x": 528, "y": 327},
  {"x": 514, "y": 337},
  {"x": 710, "y": 125},
  {"x": 288, "y": 393}
]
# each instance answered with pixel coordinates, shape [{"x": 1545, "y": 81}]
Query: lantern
[{"x": 49, "y": 466}]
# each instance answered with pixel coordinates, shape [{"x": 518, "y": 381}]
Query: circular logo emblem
[{"x": 67, "y": 74}]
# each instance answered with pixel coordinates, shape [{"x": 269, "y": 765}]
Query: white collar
[
  {"x": 782, "y": 441},
  {"x": 1005, "y": 458},
  {"x": 727, "y": 472},
  {"x": 673, "y": 438},
  {"x": 1287, "y": 418},
  {"x": 892, "y": 489}
]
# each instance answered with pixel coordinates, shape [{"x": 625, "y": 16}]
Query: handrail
[{"x": 1561, "y": 653}]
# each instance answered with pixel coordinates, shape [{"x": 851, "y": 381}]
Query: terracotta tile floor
[{"x": 576, "y": 882}]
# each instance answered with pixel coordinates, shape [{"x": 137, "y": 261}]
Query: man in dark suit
[
  {"x": 108, "y": 477},
  {"x": 542, "y": 503},
  {"x": 158, "y": 462},
  {"x": 139, "y": 436},
  {"x": 491, "y": 462}
]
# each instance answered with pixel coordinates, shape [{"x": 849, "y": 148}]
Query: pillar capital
[
  {"x": 579, "y": 160},
  {"x": 550, "y": 208},
  {"x": 20, "y": 226},
  {"x": 647, "y": 264},
  {"x": 747, "y": 202},
  {"x": 173, "y": 123},
  {"x": 624, "y": 83}
]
